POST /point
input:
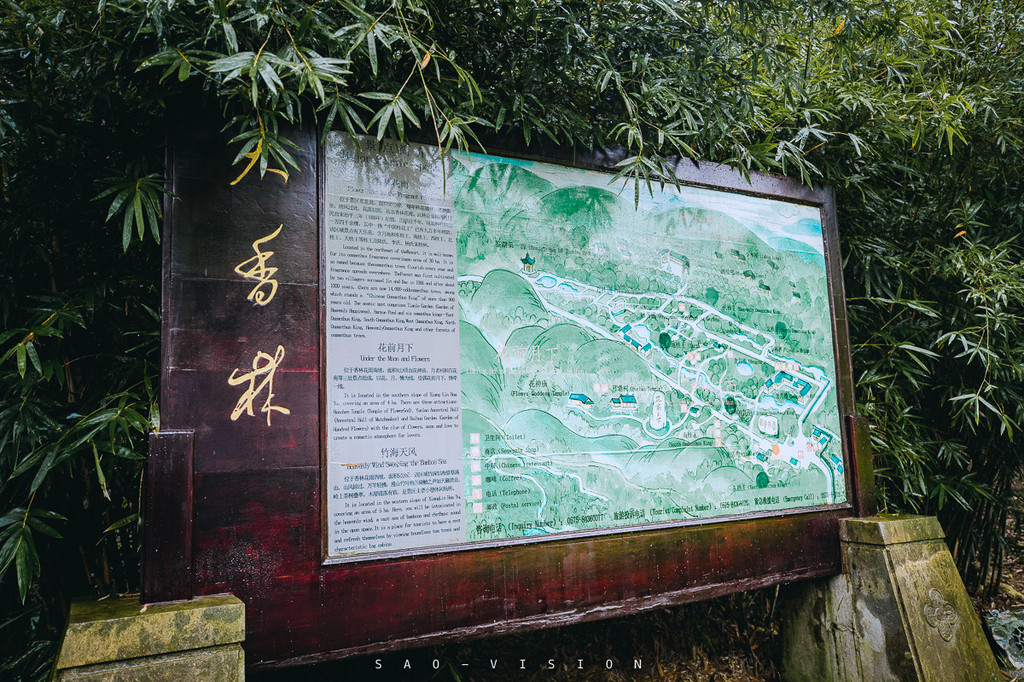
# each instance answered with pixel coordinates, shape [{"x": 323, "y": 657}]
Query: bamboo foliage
[{"x": 909, "y": 108}]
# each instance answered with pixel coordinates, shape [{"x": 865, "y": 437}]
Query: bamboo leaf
[
  {"x": 121, "y": 523},
  {"x": 33, "y": 356}
]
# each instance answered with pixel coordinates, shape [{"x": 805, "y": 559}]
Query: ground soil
[{"x": 1010, "y": 593}]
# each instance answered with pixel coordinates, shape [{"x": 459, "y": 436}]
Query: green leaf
[
  {"x": 43, "y": 528},
  {"x": 29, "y": 461},
  {"x": 371, "y": 49},
  {"x": 44, "y": 469},
  {"x": 9, "y": 549},
  {"x": 27, "y": 562},
  {"x": 34, "y": 357},
  {"x": 918, "y": 349},
  {"x": 121, "y": 523},
  {"x": 99, "y": 472},
  {"x": 154, "y": 415},
  {"x": 137, "y": 213},
  {"x": 230, "y": 36}
]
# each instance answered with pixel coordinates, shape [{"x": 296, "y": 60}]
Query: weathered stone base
[
  {"x": 115, "y": 640},
  {"x": 899, "y": 611}
]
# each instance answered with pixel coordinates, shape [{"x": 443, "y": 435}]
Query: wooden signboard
[{"x": 409, "y": 398}]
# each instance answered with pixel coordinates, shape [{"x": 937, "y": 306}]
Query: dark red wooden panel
[
  {"x": 167, "y": 549},
  {"x": 215, "y": 223},
  {"x": 251, "y": 526},
  {"x": 257, "y": 535},
  {"x": 204, "y": 309},
  {"x": 465, "y": 594},
  {"x": 219, "y": 223},
  {"x": 863, "y": 468},
  {"x": 205, "y": 400}
]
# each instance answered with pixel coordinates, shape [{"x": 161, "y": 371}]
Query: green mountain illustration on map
[{"x": 624, "y": 366}]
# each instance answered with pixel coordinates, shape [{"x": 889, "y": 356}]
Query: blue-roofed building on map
[
  {"x": 822, "y": 436},
  {"x": 626, "y": 401},
  {"x": 642, "y": 348}
]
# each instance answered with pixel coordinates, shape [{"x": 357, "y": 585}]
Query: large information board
[
  {"x": 517, "y": 350},
  {"x": 447, "y": 397}
]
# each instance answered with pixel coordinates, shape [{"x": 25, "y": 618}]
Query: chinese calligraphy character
[
  {"x": 259, "y": 271},
  {"x": 263, "y": 365},
  {"x": 394, "y": 347}
]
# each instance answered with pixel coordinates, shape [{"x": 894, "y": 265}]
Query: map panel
[
  {"x": 620, "y": 362},
  {"x": 625, "y": 364}
]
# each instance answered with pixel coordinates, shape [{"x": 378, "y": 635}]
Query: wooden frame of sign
[{"x": 241, "y": 493}]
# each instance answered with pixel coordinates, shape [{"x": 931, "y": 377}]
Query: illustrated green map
[{"x": 625, "y": 364}]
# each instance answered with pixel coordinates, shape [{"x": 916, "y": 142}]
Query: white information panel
[{"x": 394, "y": 459}]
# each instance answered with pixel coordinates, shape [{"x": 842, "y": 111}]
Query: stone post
[
  {"x": 119, "y": 639},
  {"x": 899, "y": 611}
]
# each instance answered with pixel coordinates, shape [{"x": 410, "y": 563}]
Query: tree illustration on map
[{"x": 626, "y": 365}]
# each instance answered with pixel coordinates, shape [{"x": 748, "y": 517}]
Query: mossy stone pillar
[
  {"x": 899, "y": 611},
  {"x": 120, "y": 639}
]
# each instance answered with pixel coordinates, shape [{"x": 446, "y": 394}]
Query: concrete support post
[
  {"x": 899, "y": 611},
  {"x": 117, "y": 639}
]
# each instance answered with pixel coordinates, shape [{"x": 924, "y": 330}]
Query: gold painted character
[
  {"x": 259, "y": 271},
  {"x": 263, "y": 365}
]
